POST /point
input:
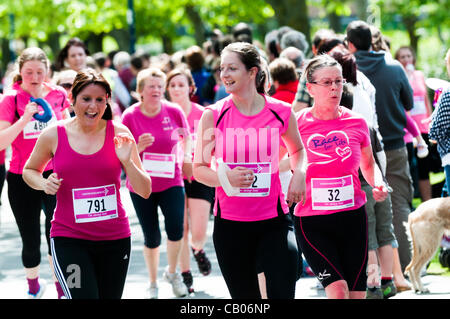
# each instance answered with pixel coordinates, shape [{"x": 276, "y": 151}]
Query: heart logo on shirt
[{"x": 331, "y": 147}]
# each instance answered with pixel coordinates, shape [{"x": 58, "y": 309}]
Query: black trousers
[
  {"x": 26, "y": 205},
  {"x": 91, "y": 269},
  {"x": 245, "y": 248}
]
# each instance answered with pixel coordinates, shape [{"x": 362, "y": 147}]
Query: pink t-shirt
[
  {"x": 333, "y": 150},
  {"x": 252, "y": 142},
  {"x": 419, "y": 112},
  {"x": 162, "y": 159},
  {"x": 12, "y": 105},
  {"x": 88, "y": 203}
]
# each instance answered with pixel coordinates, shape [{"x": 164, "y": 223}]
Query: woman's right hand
[
  {"x": 52, "y": 184},
  {"x": 240, "y": 177},
  {"x": 30, "y": 109},
  {"x": 145, "y": 140}
]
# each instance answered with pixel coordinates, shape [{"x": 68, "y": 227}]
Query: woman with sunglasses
[{"x": 332, "y": 225}]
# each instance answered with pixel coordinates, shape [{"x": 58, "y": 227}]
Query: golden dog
[{"x": 427, "y": 225}]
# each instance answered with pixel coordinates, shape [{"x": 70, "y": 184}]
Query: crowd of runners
[{"x": 308, "y": 158}]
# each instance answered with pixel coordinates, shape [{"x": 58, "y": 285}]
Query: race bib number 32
[
  {"x": 95, "y": 203},
  {"x": 332, "y": 193}
]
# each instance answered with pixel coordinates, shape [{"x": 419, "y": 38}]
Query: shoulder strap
[{"x": 15, "y": 107}]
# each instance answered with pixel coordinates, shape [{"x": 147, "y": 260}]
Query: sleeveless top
[
  {"x": 88, "y": 202},
  {"x": 252, "y": 142}
]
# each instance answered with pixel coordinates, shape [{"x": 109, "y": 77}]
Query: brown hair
[
  {"x": 30, "y": 54},
  {"x": 187, "y": 73},
  {"x": 282, "y": 70},
  {"x": 249, "y": 56},
  {"x": 90, "y": 76}
]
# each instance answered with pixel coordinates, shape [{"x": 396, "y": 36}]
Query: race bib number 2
[
  {"x": 261, "y": 182},
  {"x": 95, "y": 203}
]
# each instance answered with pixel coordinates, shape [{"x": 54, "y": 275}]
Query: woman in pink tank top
[
  {"x": 20, "y": 130},
  {"x": 199, "y": 197},
  {"x": 252, "y": 228},
  {"x": 90, "y": 227}
]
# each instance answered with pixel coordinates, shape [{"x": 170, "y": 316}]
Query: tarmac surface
[{"x": 13, "y": 284}]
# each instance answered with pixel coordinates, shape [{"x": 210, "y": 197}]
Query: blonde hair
[
  {"x": 30, "y": 54},
  {"x": 148, "y": 73}
]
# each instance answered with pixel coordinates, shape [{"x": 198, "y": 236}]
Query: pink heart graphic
[{"x": 329, "y": 148}]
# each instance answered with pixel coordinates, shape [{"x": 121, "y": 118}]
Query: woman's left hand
[
  {"x": 380, "y": 193},
  {"x": 123, "y": 143},
  {"x": 297, "y": 188}
]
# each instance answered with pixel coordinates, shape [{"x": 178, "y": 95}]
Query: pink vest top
[
  {"x": 88, "y": 202},
  {"x": 254, "y": 143}
]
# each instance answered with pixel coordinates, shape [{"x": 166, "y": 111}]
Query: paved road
[{"x": 13, "y": 283}]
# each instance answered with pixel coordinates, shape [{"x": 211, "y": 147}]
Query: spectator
[
  {"x": 296, "y": 56},
  {"x": 73, "y": 55},
  {"x": 294, "y": 38},
  {"x": 122, "y": 64},
  {"x": 393, "y": 96},
  {"x": 440, "y": 127},
  {"x": 195, "y": 60},
  {"x": 284, "y": 79}
]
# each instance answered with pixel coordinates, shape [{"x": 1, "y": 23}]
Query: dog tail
[{"x": 410, "y": 233}]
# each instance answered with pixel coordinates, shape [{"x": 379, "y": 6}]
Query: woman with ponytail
[{"x": 252, "y": 226}]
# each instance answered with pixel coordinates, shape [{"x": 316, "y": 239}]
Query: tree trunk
[
  {"x": 197, "y": 23},
  {"x": 122, "y": 36},
  {"x": 292, "y": 13},
  {"x": 94, "y": 42},
  {"x": 410, "y": 25},
  {"x": 167, "y": 44},
  {"x": 335, "y": 22}
]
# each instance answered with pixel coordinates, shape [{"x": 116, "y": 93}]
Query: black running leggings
[
  {"x": 244, "y": 248},
  {"x": 26, "y": 204},
  {"x": 91, "y": 269}
]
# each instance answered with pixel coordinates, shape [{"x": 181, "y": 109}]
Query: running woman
[
  {"x": 199, "y": 197},
  {"x": 20, "y": 129},
  {"x": 90, "y": 231},
  {"x": 252, "y": 227},
  {"x": 332, "y": 225},
  {"x": 160, "y": 127}
]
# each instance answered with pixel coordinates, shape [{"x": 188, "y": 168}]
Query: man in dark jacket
[{"x": 393, "y": 97}]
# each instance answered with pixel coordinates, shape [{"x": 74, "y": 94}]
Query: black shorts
[
  {"x": 335, "y": 246},
  {"x": 198, "y": 190}
]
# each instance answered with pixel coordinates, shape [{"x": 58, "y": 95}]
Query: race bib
[
  {"x": 159, "y": 165},
  {"x": 95, "y": 204},
  {"x": 261, "y": 182},
  {"x": 332, "y": 193},
  {"x": 34, "y": 128},
  {"x": 419, "y": 106}
]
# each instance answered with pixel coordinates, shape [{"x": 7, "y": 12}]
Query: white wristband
[{"x": 222, "y": 170}]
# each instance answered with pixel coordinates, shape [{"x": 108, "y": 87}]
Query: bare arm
[
  {"x": 9, "y": 132},
  {"x": 372, "y": 174},
  {"x": 297, "y": 186},
  {"x": 42, "y": 153},
  {"x": 127, "y": 153}
]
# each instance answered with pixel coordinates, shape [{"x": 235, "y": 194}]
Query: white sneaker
[
  {"x": 38, "y": 295},
  {"x": 422, "y": 150},
  {"x": 152, "y": 291},
  {"x": 178, "y": 287}
]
